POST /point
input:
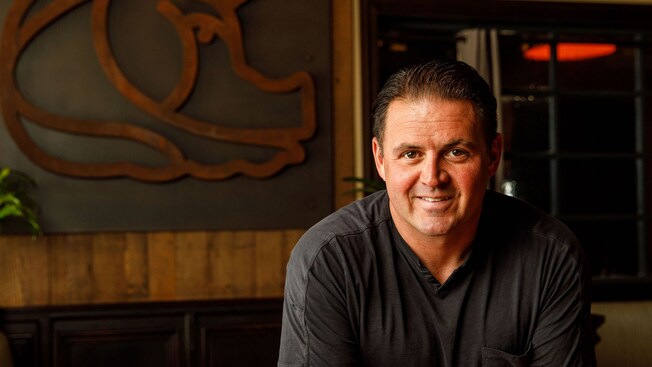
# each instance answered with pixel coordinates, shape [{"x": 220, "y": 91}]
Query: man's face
[{"x": 436, "y": 165}]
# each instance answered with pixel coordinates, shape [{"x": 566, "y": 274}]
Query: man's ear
[
  {"x": 495, "y": 153},
  {"x": 378, "y": 157}
]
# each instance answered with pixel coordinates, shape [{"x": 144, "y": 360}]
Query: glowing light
[{"x": 570, "y": 51}]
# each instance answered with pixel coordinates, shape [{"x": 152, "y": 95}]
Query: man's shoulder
[
  {"x": 351, "y": 228},
  {"x": 519, "y": 234},
  {"x": 511, "y": 216},
  {"x": 352, "y": 220}
]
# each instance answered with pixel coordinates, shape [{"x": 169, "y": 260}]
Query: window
[
  {"x": 576, "y": 140},
  {"x": 578, "y": 133}
]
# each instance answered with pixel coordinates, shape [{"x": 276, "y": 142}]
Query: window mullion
[
  {"x": 639, "y": 69},
  {"x": 553, "y": 128}
]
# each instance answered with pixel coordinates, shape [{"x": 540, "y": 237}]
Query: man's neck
[
  {"x": 442, "y": 257},
  {"x": 440, "y": 254}
]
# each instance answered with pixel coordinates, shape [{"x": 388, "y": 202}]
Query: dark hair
[{"x": 446, "y": 79}]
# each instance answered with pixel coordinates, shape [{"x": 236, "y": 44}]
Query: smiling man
[{"x": 436, "y": 270}]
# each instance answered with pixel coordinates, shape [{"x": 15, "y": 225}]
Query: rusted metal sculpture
[{"x": 193, "y": 29}]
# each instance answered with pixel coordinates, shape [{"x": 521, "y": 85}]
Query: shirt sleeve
[
  {"x": 562, "y": 336},
  {"x": 317, "y": 328}
]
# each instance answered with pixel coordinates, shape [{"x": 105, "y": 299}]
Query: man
[{"x": 437, "y": 271}]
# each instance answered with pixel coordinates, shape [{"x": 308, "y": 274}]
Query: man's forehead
[
  {"x": 410, "y": 121},
  {"x": 430, "y": 112}
]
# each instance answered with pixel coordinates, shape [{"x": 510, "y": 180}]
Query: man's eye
[
  {"x": 410, "y": 154},
  {"x": 457, "y": 153}
]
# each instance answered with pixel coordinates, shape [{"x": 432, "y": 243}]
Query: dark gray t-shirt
[{"x": 356, "y": 294}]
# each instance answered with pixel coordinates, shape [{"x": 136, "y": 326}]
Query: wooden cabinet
[{"x": 176, "y": 334}]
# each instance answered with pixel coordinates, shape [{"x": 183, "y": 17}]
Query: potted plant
[
  {"x": 365, "y": 185},
  {"x": 16, "y": 204}
]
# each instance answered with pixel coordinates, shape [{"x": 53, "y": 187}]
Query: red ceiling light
[{"x": 570, "y": 51}]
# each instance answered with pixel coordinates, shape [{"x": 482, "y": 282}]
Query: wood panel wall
[
  {"x": 141, "y": 267},
  {"x": 98, "y": 268}
]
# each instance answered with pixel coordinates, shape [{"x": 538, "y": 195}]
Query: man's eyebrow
[
  {"x": 405, "y": 146},
  {"x": 457, "y": 142},
  {"x": 462, "y": 142}
]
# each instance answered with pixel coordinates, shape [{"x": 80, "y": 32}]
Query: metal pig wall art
[{"x": 25, "y": 22}]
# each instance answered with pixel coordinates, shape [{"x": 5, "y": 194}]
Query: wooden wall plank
[
  {"x": 71, "y": 262},
  {"x": 108, "y": 268},
  {"x": 192, "y": 274},
  {"x": 291, "y": 239},
  {"x": 625, "y": 335},
  {"x": 136, "y": 266},
  {"x": 344, "y": 99},
  {"x": 221, "y": 264},
  {"x": 161, "y": 249},
  {"x": 10, "y": 293},
  {"x": 269, "y": 258},
  {"x": 244, "y": 256},
  {"x": 141, "y": 267},
  {"x": 34, "y": 270}
]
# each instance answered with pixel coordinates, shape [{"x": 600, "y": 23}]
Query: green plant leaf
[
  {"x": 368, "y": 185},
  {"x": 4, "y": 173},
  {"x": 15, "y": 201},
  {"x": 10, "y": 210}
]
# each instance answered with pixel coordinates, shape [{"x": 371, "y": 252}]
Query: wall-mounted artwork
[
  {"x": 170, "y": 114},
  {"x": 193, "y": 29}
]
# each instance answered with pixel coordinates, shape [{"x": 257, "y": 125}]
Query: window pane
[
  {"x": 402, "y": 44},
  {"x": 597, "y": 124},
  {"x": 597, "y": 186},
  {"x": 517, "y": 72},
  {"x": 647, "y": 175},
  {"x": 612, "y": 72},
  {"x": 647, "y": 65},
  {"x": 611, "y": 251},
  {"x": 528, "y": 179},
  {"x": 525, "y": 123}
]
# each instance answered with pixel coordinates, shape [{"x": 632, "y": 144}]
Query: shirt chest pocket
[{"x": 497, "y": 358}]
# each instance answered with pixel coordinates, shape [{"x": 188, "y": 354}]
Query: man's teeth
[{"x": 432, "y": 200}]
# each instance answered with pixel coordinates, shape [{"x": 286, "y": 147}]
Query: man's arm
[
  {"x": 563, "y": 336},
  {"x": 317, "y": 328}
]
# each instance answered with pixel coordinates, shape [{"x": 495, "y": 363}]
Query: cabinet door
[
  {"x": 123, "y": 342},
  {"x": 242, "y": 340}
]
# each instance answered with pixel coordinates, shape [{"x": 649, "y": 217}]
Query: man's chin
[{"x": 438, "y": 228}]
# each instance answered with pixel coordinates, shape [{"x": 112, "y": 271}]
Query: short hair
[{"x": 447, "y": 79}]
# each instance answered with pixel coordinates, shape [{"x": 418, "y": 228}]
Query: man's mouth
[{"x": 434, "y": 199}]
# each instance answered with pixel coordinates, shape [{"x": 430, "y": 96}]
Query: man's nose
[{"x": 433, "y": 173}]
